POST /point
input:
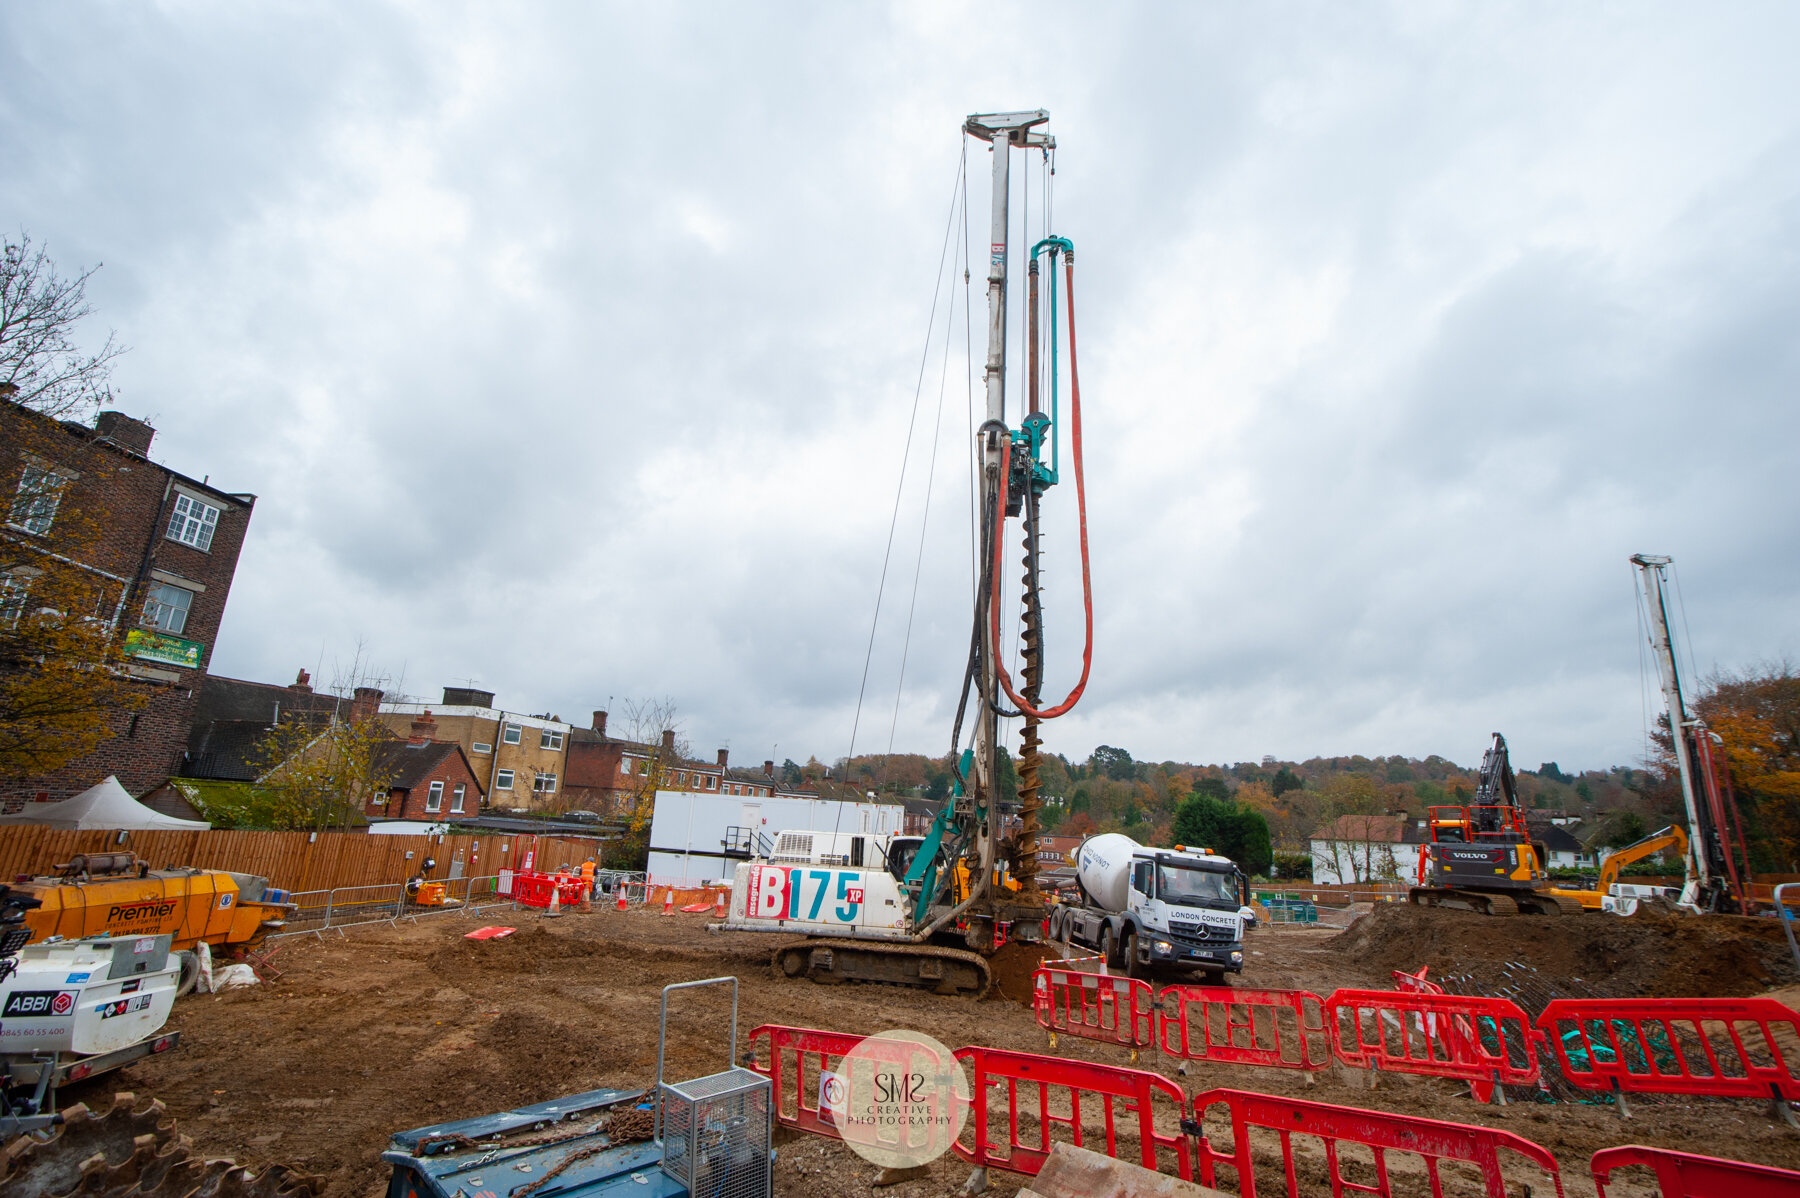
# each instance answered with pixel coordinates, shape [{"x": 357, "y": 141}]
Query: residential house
[
  {"x": 233, "y": 718},
  {"x": 606, "y": 773},
  {"x": 1561, "y": 846},
  {"x": 521, "y": 760},
  {"x": 1368, "y": 848},
  {"x": 158, "y": 550},
  {"x": 427, "y": 778}
]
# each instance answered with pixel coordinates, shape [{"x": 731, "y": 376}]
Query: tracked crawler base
[
  {"x": 126, "y": 1153},
  {"x": 940, "y": 970}
]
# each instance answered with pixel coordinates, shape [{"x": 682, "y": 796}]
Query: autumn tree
[
  {"x": 1756, "y": 714},
  {"x": 62, "y": 677}
]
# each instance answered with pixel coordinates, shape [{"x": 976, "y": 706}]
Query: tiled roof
[{"x": 412, "y": 764}]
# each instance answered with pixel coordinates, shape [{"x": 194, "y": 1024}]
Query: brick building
[
  {"x": 431, "y": 779},
  {"x": 154, "y": 551},
  {"x": 521, "y": 760},
  {"x": 606, "y": 773}
]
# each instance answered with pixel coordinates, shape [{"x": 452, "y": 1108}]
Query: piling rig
[{"x": 927, "y": 910}]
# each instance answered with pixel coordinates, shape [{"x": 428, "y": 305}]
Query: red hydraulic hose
[{"x": 1087, "y": 586}]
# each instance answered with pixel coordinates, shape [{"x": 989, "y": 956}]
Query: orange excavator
[{"x": 1670, "y": 837}]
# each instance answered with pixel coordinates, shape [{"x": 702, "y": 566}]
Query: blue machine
[{"x": 496, "y": 1156}]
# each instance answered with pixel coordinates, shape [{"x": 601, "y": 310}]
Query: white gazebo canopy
[{"x": 105, "y": 805}]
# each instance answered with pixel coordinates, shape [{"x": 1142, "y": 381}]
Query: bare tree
[{"x": 39, "y": 359}]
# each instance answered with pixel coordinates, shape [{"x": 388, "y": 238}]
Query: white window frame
[
  {"x": 550, "y": 738},
  {"x": 434, "y": 798},
  {"x": 481, "y": 747},
  {"x": 537, "y": 783},
  {"x": 712, "y": 783},
  {"x": 510, "y": 734},
  {"x": 624, "y": 765},
  {"x": 503, "y": 779},
  {"x": 15, "y": 594},
  {"x": 37, "y": 500},
  {"x": 456, "y": 798},
  {"x": 380, "y": 799},
  {"x": 192, "y": 521},
  {"x": 162, "y": 615}
]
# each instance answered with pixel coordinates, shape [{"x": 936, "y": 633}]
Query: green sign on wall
[{"x": 171, "y": 650}]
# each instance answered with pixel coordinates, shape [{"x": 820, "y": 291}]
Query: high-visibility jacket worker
[{"x": 587, "y": 876}]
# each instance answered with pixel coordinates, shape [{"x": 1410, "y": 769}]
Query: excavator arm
[{"x": 1670, "y": 837}]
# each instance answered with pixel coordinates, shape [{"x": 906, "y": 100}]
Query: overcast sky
[{"x": 572, "y": 349}]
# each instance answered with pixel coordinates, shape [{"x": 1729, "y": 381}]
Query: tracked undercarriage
[
  {"x": 940, "y": 970},
  {"x": 1483, "y": 902},
  {"x": 127, "y": 1153}
]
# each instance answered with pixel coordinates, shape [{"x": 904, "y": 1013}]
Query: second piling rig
[{"x": 1017, "y": 467}]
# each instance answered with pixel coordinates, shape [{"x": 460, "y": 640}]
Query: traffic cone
[
  {"x": 555, "y": 907},
  {"x": 719, "y": 905},
  {"x": 621, "y": 896},
  {"x": 669, "y": 901}
]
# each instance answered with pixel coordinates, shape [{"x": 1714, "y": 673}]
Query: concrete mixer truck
[{"x": 1144, "y": 907}]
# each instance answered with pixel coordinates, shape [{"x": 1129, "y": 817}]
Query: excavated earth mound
[{"x": 1650, "y": 954}]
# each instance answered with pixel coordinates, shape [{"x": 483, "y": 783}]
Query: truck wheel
[
  {"x": 1133, "y": 968},
  {"x": 1109, "y": 947},
  {"x": 189, "y": 977}
]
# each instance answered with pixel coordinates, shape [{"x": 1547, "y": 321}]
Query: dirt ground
[{"x": 387, "y": 1028}]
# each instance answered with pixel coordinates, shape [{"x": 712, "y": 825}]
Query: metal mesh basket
[{"x": 716, "y": 1135}]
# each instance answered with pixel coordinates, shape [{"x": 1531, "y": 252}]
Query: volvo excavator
[
  {"x": 1481, "y": 857},
  {"x": 928, "y": 910}
]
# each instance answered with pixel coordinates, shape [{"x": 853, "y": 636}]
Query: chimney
[
  {"x": 424, "y": 729},
  {"x": 669, "y": 741},
  {"x": 600, "y": 722},
  {"x": 723, "y": 754},
  {"x": 769, "y": 768},
  {"x": 302, "y": 683},
  {"x": 365, "y": 704},
  {"x": 124, "y": 432}
]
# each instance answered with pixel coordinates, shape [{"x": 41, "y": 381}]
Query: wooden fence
[{"x": 292, "y": 860}]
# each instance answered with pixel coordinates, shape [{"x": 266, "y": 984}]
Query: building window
[
  {"x": 13, "y": 592},
  {"x": 166, "y": 607},
  {"x": 503, "y": 780},
  {"x": 34, "y": 507},
  {"x": 479, "y": 747},
  {"x": 544, "y": 784},
  {"x": 193, "y": 522},
  {"x": 712, "y": 783},
  {"x": 510, "y": 734},
  {"x": 624, "y": 765},
  {"x": 434, "y": 799},
  {"x": 549, "y": 740},
  {"x": 456, "y": 798},
  {"x": 380, "y": 799}
]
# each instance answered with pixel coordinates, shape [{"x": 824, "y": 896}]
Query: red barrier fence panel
[
  {"x": 1025, "y": 1095},
  {"x": 1684, "y": 1175},
  {"x": 1430, "y": 1140},
  {"x": 794, "y": 1087},
  {"x": 1726, "y": 1047},
  {"x": 1281, "y": 1029},
  {"x": 1116, "y": 1009},
  {"x": 1474, "y": 1038}
]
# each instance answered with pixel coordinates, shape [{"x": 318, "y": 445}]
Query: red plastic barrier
[
  {"x": 1470, "y": 1037},
  {"x": 1684, "y": 1175},
  {"x": 534, "y": 889},
  {"x": 789, "y": 1091},
  {"x": 1116, "y": 1009},
  {"x": 1663, "y": 1046},
  {"x": 1105, "y": 1091},
  {"x": 1431, "y": 1140},
  {"x": 1185, "y": 1019}
]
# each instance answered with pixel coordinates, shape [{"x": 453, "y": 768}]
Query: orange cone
[
  {"x": 621, "y": 896},
  {"x": 669, "y": 901},
  {"x": 719, "y": 905}
]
